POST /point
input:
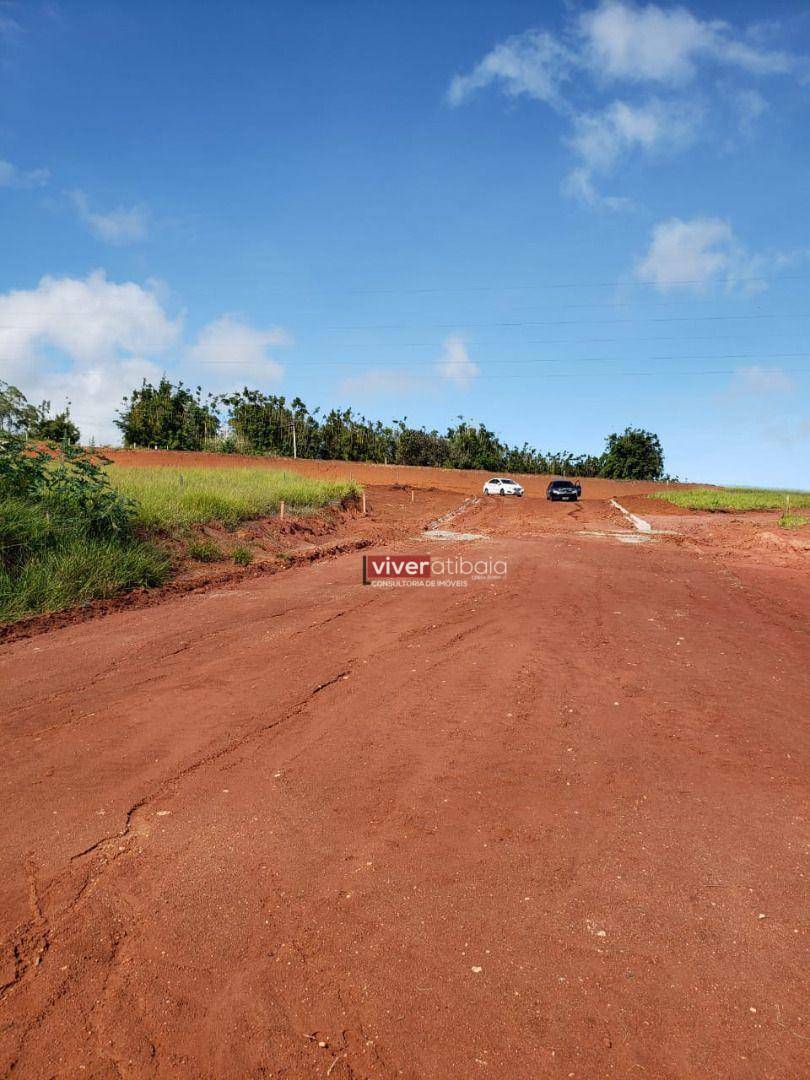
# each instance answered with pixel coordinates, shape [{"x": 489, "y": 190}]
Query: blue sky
[{"x": 557, "y": 218}]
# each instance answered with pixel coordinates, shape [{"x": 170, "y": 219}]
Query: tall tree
[
  {"x": 635, "y": 454},
  {"x": 167, "y": 416}
]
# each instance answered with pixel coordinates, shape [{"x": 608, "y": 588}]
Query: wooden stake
[
  {"x": 281, "y": 510},
  {"x": 411, "y": 494},
  {"x": 364, "y": 504}
]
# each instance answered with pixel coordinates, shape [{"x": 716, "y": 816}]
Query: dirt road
[{"x": 549, "y": 826}]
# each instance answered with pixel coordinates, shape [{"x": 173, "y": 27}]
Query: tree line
[
  {"x": 175, "y": 417},
  {"x": 19, "y": 416}
]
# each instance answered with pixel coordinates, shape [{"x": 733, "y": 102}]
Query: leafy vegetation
[
  {"x": 203, "y": 550},
  {"x": 734, "y": 498},
  {"x": 242, "y": 556},
  {"x": 168, "y": 416},
  {"x": 165, "y": 498},
  {"x": 793, "y": 521},
  {"x": 66, "y": 535},
  {"x": 258, "y": 423},
  {"x": 72, "y": 526},
  {"x": 634, "y": 455},
  {"x": 57, "y": 429},
  {"x": 18, "y": 416}
]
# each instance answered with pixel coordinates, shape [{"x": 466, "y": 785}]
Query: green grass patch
[
  {"x": 734, "y": 498},
  {"x": 76, "y": 570},
  {"x": 203, "y": 550},
  {"x": 72, "y": 530},
  {"x": 242, "y": 556},
  {"x": 793, "y": 521},
  {"x": 169, "y": 498}
]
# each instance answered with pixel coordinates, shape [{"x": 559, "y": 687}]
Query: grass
[
  {"x": 171, "y": 498},
  {"x": 203, "y": 550},
  {"x": 793, "y": 521},
  {"x": 734, "y": 498},
  {"x": 51, "y": 559}
]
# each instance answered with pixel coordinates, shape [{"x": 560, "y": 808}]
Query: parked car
[
  {"x": 500, "y": 485},
  {"x": 562, "y": 490}
]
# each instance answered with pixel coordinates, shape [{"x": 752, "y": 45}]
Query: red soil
[
  {"x": 468, "y": 481},
  {"x": 548, "y": 826}
]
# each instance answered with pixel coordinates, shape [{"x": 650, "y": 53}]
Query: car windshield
[{"x": 562, "y": 484}]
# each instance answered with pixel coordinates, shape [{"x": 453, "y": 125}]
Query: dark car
[{"x": 563, "y": 489}]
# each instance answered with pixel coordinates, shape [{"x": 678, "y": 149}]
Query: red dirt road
[{"x": 551, "y": 826}]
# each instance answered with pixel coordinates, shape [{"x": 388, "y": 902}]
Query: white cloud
[
  {"x": 689, "y": 254},
  {"x": 653, "y": 44},
  {"x": 759, "y": 381},
  {"x": 230, "y": 350},
  {"x": 378, "y": 382},
  {"x": 748, "y": 106},
  {"x": 698, "y": 253},
  {"x": 13, "y": 177},
  {"x": 123, "y": 225},
  {"x": 639, "y": 45},
  {"x": 88, "y": 340},
  {"x": 95, "y": 392},
  {"x": 534, "y": 64},
  {"x": 579, "y": 185},
  {"x": 455, "y": 364},
  {"x": 603, "y": 139}
]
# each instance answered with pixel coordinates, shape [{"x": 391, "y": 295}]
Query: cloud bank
[{"x": 643, "y": 50}]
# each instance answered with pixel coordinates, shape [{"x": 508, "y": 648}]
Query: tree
[
  {"x": 167, "y": 416},
  {"x": 471, "y": 447},
  {"x": 17, "y": 414},
  {"x": 635, "y": 454},
  {"x": 57, "y": 429}
]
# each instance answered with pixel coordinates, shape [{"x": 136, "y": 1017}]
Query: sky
[{"x": 557, "y": 218}]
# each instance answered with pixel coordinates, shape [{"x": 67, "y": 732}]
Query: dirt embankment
[
  {"x": 275, "y": 545},
  {"x": 467, "y": 481}
]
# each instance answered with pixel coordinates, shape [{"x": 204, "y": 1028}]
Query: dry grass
[{"x": 168, "y": 498}]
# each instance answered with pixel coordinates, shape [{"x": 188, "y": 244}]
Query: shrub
[
  {"x": 793, "y": 521},
  {"x": 635, "y": 454},
  {"x": 242, "y": 556},
  {"x": 66, "y": 535},
  {"x": 203, "y": 550}
]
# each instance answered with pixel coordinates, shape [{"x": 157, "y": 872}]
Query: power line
[
  {"x": 576, "y": 322},
  {"x": 518, "y": 287},
  {"x": 407, "y": 364},
  {"x": 533, "y": 360}
]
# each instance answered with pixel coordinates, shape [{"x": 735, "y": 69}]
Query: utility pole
[{"x": 295, "y": 454}]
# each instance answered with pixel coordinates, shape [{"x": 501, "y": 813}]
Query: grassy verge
[
  {"x": 52, "y": 556},
  {"x": 793, "y": 521},
  {"x": 72, "y": 531},
  {"x": 166, "y": 498},
  {"x": 734, "y": 498}
]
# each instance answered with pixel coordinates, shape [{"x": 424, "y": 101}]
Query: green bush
[
  {"x": 242, "y": 556},
  {"x": 66, "y": 535},
  {"x": 793, "y": 521},
  {"x": 203, "y": 550}
]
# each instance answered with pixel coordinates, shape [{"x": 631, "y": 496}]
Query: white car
[{"x": 502, "y": 486}]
